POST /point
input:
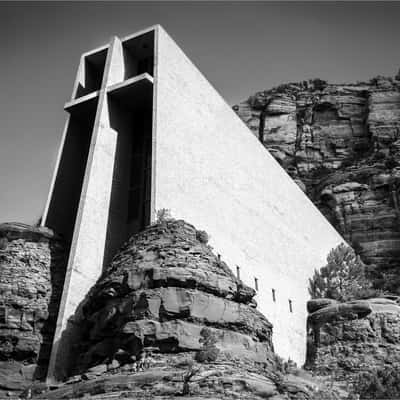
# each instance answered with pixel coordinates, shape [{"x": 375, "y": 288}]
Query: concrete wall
[
  {"x": 88, "y": 241},
  {"x": 211, "y": 171}
]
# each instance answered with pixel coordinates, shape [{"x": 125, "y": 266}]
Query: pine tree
[{"x": 342, "y": 278}]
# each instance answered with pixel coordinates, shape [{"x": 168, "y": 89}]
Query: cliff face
[
  {"x": 31, "y": 275},
  {"x": 340, "y": 143},
  {"x": 347, "y": 340}
]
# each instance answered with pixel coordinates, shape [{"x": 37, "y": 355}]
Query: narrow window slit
[{"x": 238, "y": 271}]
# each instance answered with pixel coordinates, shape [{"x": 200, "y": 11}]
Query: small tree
[
  {"x": 342, "y": 278},
  {"x": 163, "y": 215},
  {"x": 209, "y": 351}
]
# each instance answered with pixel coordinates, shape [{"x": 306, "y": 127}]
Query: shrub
[
  {"x": 342, "y": 278},
  {"x": 202, "y": 237},
  {"x": 391, "y": 163},
  {"x": 209, "y": 352},
  {"x": 189, "y": 374},
  {"x": 383, "y": 383},
  {"x": 3, "y": 243},
  {"x": 163, "y": 215},
  {"x": 318, "y": 84}
]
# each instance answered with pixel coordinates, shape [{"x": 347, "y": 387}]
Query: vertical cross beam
[{"x": 88, "y": 242}]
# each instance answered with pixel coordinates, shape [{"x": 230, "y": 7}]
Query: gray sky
[{"x": 241, "y": 47}]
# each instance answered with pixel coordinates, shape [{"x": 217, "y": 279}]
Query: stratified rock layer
[
  {"x": 347, "y": 339},
  {"x": 31, "y": 276},
  {"x": 341, "y": 143},
  {"x": 169, "y": 319},
  {"x": 161, "y": 290}
]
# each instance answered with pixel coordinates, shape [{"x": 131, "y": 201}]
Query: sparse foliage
[
  {"x": 202, "y": 237},
  {"x": 286, "y": 367},
  {"x": 3, "y": 243},
  {"x": 342, "y": 278},
  {"x": 190, "y": 373},
  {"x": 38, "y": 222},
  {"x": 381, "y": 384},
  {"x": 209, "y": 352},
  {"x": 163, "y": 215}
]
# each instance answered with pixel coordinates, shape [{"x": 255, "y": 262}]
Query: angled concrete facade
[{"x": 147, "y": 131}]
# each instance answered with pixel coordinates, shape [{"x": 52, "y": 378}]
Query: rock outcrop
[
  {"x": 160, "y": 291},
  {"x": 32, "y": 266},
  {"x": 348, "y": 339},
  {"x": 341, "y": 143},
  {"x": 168, "y": 318}
]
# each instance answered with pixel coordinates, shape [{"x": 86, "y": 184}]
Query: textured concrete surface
[
  {"x": 87, "y": 248},
  {"x": 211, "y": 171},
  {"x": 89, "y": 242}
]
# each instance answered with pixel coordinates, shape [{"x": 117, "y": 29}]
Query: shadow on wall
[
  {"x": 58, "y": 266},
  {"x": 66, "y": 349}
]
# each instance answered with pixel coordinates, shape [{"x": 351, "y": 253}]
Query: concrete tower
[{"x": 147, "y": 131}]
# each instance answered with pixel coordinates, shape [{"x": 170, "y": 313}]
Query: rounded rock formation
[{"x": 162, "y": 290}]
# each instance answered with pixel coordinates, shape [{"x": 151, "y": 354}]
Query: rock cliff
[
  {"x": 347, "y": 340},
  {"x": 32, "y": 266},
  {"x": 340, "y": 143}
]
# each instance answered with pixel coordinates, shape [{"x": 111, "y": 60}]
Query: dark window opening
[
  {"x": 130, "y": 202},
  {"x": 290, "y": 306},
  {"x": 94, "y": 65},
  {"x": 273, "y": 295},
  {"x": 65, "y": 197},
  {"x": 256, "y": 283},
  {"x": 139, "y": 55},
  {"x": 238, "y": 271}
]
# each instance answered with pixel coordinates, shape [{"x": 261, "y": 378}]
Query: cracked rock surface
[
  {"x": 31, "y": 277},
  {"x": 341, "y": 144},
  {"x": 169, "y": 319},
  {"x": 346, "y": 339},
  {"x": 161, "y": 290}
]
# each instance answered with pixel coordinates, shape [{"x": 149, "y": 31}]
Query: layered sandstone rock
[
  {"x": 340, "y": 143},
  {"x": 169, "y": 319},
  {"x": 31, "y": 276},
  {"x": 161, "y": 290},
  {"x": 349, "y": 339}
]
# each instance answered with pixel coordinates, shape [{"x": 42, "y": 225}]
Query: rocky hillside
[
  {"x": 32, "y": 266},
  {"x": 356, "y": 339},
  {"x": 169, "y": 319},
  {"x": 341, "y": 144}
]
